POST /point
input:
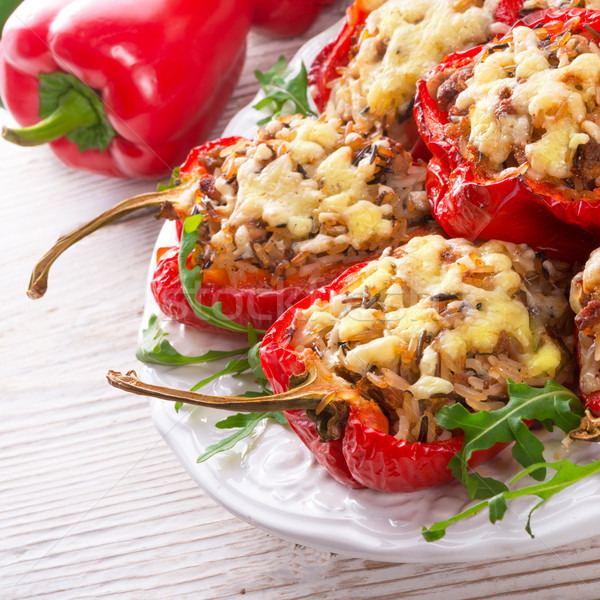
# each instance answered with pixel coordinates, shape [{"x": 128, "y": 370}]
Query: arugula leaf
[
  {"x": 154, "y": 348},
  {"x": 566, "y": 475},
  {"x": 235, "y": 367},
  {"x": 282, "y": 92},
  {"x": 246, "y": 423},
  {"x": 242, "y": 419},
  {"x": 551, "y": 404},
  {"x": 254, "y": 360},
  {"x": 173, "y": 182},
  {"x": 191, "y": 281}
]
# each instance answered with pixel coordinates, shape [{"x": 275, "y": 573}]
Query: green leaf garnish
[
  {"x": 246, "y": 422},
  {"x": 254, "y": 359},
  {"x": 154, "y": 348},
  {"x": 191, "y": 281},
  {"x": 566, "y": 475},
  {"x": 235, "y": 367},
  {"x": 551, "y": 404},
  {"x": 283, "y": 95},
  {"x": 173, "y": 182}
]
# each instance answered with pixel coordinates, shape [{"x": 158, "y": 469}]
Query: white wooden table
[{"x": 93, "y": 504}]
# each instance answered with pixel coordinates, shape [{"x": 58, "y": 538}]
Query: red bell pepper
[
  {"x": 124, "y": 88},
  {"x": 585, "y": 303},
  {"x": 365, "y": 455},
  {"x": 286, "y": 18},
  {"x": 468, "y": 203}
]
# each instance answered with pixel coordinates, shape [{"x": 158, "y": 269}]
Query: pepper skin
[
  {"x": 364, "y": 456},
  {"x": 163, "y": 70},
  {"x": 259, "y": 307},
  {"x": 514, "y": 208},
  {"x": 286, "y": 18}
]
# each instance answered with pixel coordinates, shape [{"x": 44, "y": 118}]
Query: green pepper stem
[
  {"x": 173, "y": 201},
  {"x": 73, "y": 111}
]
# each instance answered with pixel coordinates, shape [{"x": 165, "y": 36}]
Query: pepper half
[
  {"x": 279, "y": 216},
  {"x": 368, "y": 73},
  {"x": 360, "y": 383},
  {"x": 471, "y": 199},
  {"x": 371, "y": 454}
]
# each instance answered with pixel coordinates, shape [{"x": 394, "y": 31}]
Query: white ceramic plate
[{"x": 271, "y": 481}]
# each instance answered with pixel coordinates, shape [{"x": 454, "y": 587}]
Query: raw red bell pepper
[
  {"x": 124, "y": 88},
  {"x": 365, "y": 455},
  {"x": 468, "y": 203},
  {"x": 286, "y": 18}
]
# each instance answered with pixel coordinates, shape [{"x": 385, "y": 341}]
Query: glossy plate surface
[{"x": 271, "y": 481}]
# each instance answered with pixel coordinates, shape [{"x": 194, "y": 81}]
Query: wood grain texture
[{"x": 92, "y": 502}]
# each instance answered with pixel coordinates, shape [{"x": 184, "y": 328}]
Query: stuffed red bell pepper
[
  {"x": 430, "y": 324},
  {"x": 121, "y": 88},
  {"x": 289, "y": 211},
  {"x": 514, "y": 128},
  {"x": 585, "y": 302},
  {"x": 368, "y": 73},
  {"x": 280, "y": 215}
]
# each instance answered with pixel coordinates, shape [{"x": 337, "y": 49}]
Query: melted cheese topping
[
  {"x": 546, "y": 100},
  {"x": 481, "y": 292},
  {"x": 401, "y": 41},
  {"x": 307, "y": 179}
]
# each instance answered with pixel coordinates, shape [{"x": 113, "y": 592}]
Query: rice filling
[
  {"x": 305, "y": 198},
  {"x": 442, "y": 321}
]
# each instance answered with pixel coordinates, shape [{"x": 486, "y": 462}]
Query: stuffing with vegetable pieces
[
  {"x": 370, "y": 75},
  {"x": 530, "y": 105},
  {"x": 305, "y": 197},
  {"x": 443, "y": 321}
]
